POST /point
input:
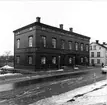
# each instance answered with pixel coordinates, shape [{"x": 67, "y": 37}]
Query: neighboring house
[
  {"x": 98, "y": 53},
  {"x": 39, "y": 46}
]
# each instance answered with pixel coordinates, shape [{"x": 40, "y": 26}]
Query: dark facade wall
[
  {"x": 38, "y": 51},
  {"x": 24, "y": 51}
]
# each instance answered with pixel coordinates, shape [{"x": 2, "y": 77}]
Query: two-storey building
[
  {"x": 98, "y": 53},
  {"x": 40, "y": 46}
]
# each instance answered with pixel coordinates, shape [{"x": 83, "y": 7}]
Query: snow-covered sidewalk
[{"x": 94, "y": 94}]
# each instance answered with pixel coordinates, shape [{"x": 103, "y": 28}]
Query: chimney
[
  {"x": 97, "y": 41},
  {"x": 38, "y": 19},
  {"x": 61, "y": 26},
  {"x": 104, "y": 43},
  {"x": 70, "y": 29}
]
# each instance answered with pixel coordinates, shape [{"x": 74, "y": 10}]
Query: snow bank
[
  {"x": 90, "y": 97},
  {"x": 9, "y": 74}
]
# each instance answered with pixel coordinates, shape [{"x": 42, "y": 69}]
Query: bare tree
[{"x": 7, "y": 53}]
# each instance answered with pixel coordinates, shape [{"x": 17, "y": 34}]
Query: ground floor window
[
  {"x": 43, "y": 60},
  {"x": 98, "y": 61},
  {"x": 54, "y": 60},
  {"x": 18, "y": 59},
  {"x": 92, "y": 61},
  {"x": 30, "y": 59},
  {"x": 70, "y": 60},
  {"x": 81, "y": 60}
]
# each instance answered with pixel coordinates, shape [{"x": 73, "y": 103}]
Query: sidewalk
[{"x": 43, "y": 74}]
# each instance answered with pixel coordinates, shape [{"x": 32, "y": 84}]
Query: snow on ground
[
  {"x": 9, "y": 74},
  {"x": 94, "y": 94}
]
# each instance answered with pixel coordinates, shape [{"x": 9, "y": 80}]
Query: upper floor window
[
  {"x": 43, "y": 60},
  {"x": 18, "y": 43},
  {"x": 18, "y": 59},
  {"x": 30, "y": 59},
  {"x": 44, "y": 41},
  {"x": 86, "y": 47},
  {"x": 70, "y": 45},
  {"x": 62, "y": 44},
  {"x": 54, "y": 60},
  {"x": 92, "y": 54},
  {"x": 94, "y": 47},
  {"x": 90, "y": 47},
  {"x": 54, "y": 42},
  {"x": 76, "y": 46},
  {"x": 98, "y": 54},
  {"x": 30, "y": 41},
  {"x": 82, "y": 46}
]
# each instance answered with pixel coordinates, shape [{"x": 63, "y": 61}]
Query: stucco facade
[{"x": 98, "y": 53}]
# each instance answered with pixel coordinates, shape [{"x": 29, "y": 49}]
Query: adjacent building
[
  {"x": 38, "y": 46},
  {"x": 98, "y": 53}
]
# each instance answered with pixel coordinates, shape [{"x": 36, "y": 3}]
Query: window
[
  {"x": 98, "y": 61},
  {"x": 86, "y": 59},
  {"x": 94, "y": 47},
  {"x": 99, "y": 48},
  {"x": 18, "y": 59},
  {"x": 54, "y": 42},
  {"x": 86, "y": 47},
  {"x": 44, "y": 41},
  {"x": 18, "y": 43},
  {"x": 70, "y": 60},
  {"x": 62, "y": 44},
  {"x": 30, "y": 41},
  {"x": 76, "y": 46},
  {"x": 82, "y": 47},
  {"x": 98, "y": 54},
  {"x": 30, "y": 59},
  {"x": 54, "y": 60},
  {"x": 92, "y": 61},
  {"x": 43, "y": 60},
  {"x": 81, "y": 60},
  {"x": 90, "y": 47},
  {"x": 70, "y": 45},
  {"x": 92, "y": 54}
]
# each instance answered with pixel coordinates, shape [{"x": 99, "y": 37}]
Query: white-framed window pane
[
  {"x": 92, "y": 54},
  {"x": 70, "y": 60},
  {"x": 17, "y": 59},
  {"x": 30, "y": 41},
  {"x": 43, "y": 60},
  {"x": 82, "y": 47},
  {"x": 87, "y": 47},
  {"x": 30, "y": 60},
  {"x": 76, "y": 46},
  {"x": 70, "y": 45},
  {"x": 54, "y": 42},
  {"x": 44, "y": 41},
  {"x": 18, "y": 43},
  {"x": 54, "y": 60},
  {"x": 98, "y": 54},
  {"x": 62, "y": 44}
]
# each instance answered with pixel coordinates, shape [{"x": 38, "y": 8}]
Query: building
[
  {"x": 98, "y": 53},
  {"x": 39, "y": 46}
]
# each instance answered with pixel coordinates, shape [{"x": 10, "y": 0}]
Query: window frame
[
  {"x": 44, "y": 42},
  {"x": 30, "y": 56},
  {"x": 30, "y": 42},
  {"x": 54, "y": 42},
  {"x": 18, "y": 43}
]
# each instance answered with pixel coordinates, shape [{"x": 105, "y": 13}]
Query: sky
[{"x": 85, "y": 17}]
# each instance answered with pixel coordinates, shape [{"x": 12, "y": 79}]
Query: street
[{"x": 34, "y": 92}]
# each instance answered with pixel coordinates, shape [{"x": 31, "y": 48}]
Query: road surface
[{"x": 29, "y": 94}]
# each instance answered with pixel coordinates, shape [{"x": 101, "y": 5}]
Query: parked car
[{"x": 104, "y": 69}]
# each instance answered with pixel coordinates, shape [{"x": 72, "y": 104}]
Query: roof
[
  {"x": 99, "y": 45},
  {"x": 51, "y": 27}
]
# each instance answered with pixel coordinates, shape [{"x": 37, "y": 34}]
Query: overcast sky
[{"x": 85, "y": 17}]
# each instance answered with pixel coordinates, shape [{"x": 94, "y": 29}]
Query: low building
[
  {"x": 39, "y": 46},
  {"x": 98, "y": 53}
]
